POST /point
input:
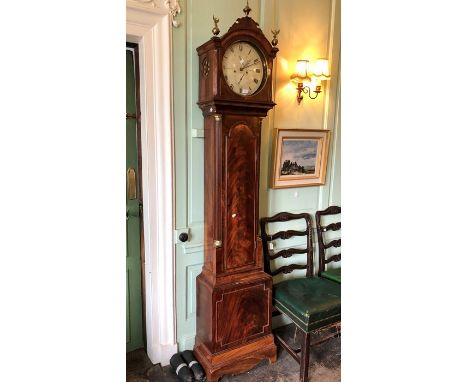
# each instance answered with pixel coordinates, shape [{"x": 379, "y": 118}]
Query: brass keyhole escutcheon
[{"x": 131, "y": 184}]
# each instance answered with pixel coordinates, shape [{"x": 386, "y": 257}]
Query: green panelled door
[{"x": 134, "y": 306}]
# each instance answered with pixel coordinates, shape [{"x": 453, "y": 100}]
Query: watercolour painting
[{"x": 300, "y": 157}]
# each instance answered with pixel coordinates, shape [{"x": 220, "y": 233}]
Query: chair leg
[{"x": 305, "y": 351}]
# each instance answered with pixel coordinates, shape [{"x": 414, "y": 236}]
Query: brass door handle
[{"x": 131, "y": 184}]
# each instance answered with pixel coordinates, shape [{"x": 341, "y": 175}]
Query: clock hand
[
  {"x": 247, "y": 63},
  {"x": 241, "y": 78},
  {"x": 246, "y": 66}
]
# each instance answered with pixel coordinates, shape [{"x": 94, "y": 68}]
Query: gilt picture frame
[{"x": 299, "y": 157}]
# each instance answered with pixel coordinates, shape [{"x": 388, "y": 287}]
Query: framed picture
[{"x": 299, "y": 157}]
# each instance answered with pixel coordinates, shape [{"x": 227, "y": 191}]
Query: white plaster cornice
[{"x": 172, "y": 7}]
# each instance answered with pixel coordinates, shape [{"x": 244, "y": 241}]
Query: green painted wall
[{"x": 309, "y": 29}]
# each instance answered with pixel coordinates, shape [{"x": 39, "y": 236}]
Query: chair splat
[
  {"x": 333, "y": 258},
  {"x": 288, "y": 269},
  {"x": 332, "y": 227},
  {"x": 285, "y": 253},
  {"x": 335, "y": 273},
  {"x": 334, "y": 243},
  {"x": 287, "y": 234}
]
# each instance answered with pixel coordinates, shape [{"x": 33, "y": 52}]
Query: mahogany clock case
[{"x": 233, "y": 293}]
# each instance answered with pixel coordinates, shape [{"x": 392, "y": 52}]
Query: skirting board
[{"x": 162, "y": 352}]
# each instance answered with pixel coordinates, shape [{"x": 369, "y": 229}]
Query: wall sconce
[{"x": 312, "y": 78}]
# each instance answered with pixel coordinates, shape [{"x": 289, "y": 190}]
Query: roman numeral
[
  {"x": 255, "y": 80},
  {"x": 249, "y": 52},
  {"x": 231, "y": 49},
  {"x": 240, "y": 47},
  {"x": 256, "y": 61},
  {"x": 231, "y": 86},
  {"x": 257, "y": 70}
]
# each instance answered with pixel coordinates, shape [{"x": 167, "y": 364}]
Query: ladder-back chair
[
  {"x": 310, "y": 302},
  {"x": 333, "y": 274}
]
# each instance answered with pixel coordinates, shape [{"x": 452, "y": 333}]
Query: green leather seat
[
  {"x": 333, "y": 274},
  {"x": 310, "y": 302}
]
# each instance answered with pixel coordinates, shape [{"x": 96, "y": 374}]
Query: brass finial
[
  {"x": 274, "y": 42},
  {"x": 215, "y": 30},
  {"x": 247, "y": 9}
]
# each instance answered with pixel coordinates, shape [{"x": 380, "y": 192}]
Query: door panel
[
  {"x": 134, "y": 300},
  {"x": 241, "y": 178},
  {"x": 249, "y": 309}
]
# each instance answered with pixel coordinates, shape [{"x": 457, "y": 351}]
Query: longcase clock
[{"x": 233, "y": 292}]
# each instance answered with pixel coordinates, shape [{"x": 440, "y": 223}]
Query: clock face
[{"x": 244, "y": 68}]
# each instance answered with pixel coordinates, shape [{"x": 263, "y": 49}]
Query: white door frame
[{"x": 149, "y": 24}]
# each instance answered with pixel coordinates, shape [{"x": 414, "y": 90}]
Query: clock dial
[{"x": 243, "y": 68}]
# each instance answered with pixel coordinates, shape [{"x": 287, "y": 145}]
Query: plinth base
[{"x": 236, "y": 360}]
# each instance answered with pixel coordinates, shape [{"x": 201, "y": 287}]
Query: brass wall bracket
[{"x": 307, "y": 90}]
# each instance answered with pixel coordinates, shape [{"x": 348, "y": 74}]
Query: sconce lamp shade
[
  {"x": 302, "y": 72},
  {"x": 320, "y": 70},
  {"x": 301, "y": 68}
]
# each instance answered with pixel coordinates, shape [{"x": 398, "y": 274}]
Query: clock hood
[{"x": 214, "y": 93}]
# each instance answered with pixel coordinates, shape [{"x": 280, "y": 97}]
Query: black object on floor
[
  {"x": 193, "y": 364},
  {"x": 181, "y": 368}
]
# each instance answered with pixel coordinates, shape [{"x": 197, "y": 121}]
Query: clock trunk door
[{"x": 241, "y": 151}]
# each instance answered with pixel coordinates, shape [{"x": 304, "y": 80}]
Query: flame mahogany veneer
[{"x": 234, "y": 294}]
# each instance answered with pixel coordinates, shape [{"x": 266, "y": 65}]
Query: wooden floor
[{"x": 325, "y": 364}]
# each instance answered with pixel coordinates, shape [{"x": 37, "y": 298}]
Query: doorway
[
  {"x": 135, "y": 322},
  {"x": 150, "y": 28}
]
